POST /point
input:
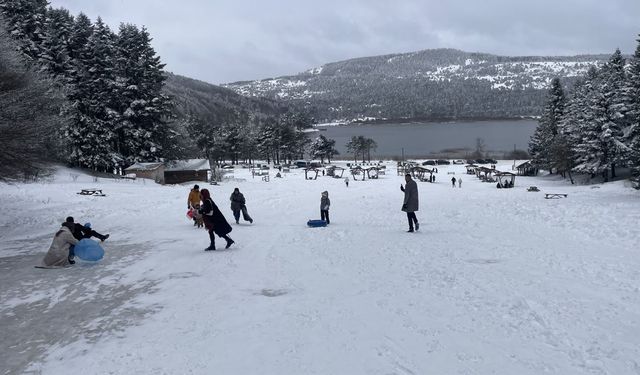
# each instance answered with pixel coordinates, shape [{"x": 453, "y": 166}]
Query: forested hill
[
  {"x": 215, "y": 103},
  {"x": 429, "y": 84}
]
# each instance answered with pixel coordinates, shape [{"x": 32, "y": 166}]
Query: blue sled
[
  {"x": 90, "y": 250},
  {"x": 316, "y": 223}
]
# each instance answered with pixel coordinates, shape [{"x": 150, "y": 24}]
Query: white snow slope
[{"x": 495, "y": 282}]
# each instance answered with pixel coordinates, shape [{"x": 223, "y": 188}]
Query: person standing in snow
[
  {"x": 58, "y": 254},
  {"x": 214, "y": 221},
  {"x": 460, "y": 182},
  {"x": 194, "y": 200},
  {"x": 453, "y": 181},
  {"x": 410, "y": 203},
  {"x": 346, "y": 181},
  {"x": 325, "y": 203},
  {"x": 238, "y": 203},
  {"x": 80, "y": 232}
]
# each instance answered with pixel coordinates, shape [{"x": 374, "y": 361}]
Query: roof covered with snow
[
  {"x": 188, "y": 165},
  {"x": 143, "y": 167}
]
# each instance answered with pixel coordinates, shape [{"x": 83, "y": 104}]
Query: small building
[
  {"x": 471, "y": 168},
  {"x": 335, "y": 171},
  {"x": 421, "y": 173},
  {"x": 153, "y": 171},
  {"x": 505, "y": 180},
  {"x": 527, "y": 169},
  {"x": 179, "y": 171}
]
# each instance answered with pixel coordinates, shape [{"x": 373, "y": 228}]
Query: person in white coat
[{"x": 58, "y": 254}]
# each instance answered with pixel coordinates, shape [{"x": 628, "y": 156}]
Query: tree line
[
  {"x": 114, "y": 112},
  {"x": 595, "y": 128}
]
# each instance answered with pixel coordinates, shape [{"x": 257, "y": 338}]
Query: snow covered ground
[{"x": 495, "y": 282}]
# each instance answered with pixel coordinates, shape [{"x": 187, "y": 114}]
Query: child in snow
[
  {"x": 198, "y": 221},
  {"x": 460, "y": 182},
  {"x": 453, "y": 181},
  {"x": 346, "y": 181},
  {"x": 325, "y": 203}
]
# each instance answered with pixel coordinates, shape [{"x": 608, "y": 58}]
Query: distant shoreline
[{"x": 419, "y": 120}]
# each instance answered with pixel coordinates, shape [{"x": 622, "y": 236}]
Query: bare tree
[{"x": 29, "y": 108}]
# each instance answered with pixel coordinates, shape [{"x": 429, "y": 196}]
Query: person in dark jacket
[
  {"x": 410, "y": 203},
  {"x": 214, "y": 221},
  {"x": 325, "y": 203},
  {"x": 80, "y": 232},
  {"x": 238, "y": 203}
]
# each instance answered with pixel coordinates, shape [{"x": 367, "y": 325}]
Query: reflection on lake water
[{"x": 422, "y": 139}]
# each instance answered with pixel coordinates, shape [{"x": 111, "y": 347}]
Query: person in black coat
[
  {"x": 214, "y": 221},
  {"x": 79, "y": 232},
  {"x": 239, "y": 204}
]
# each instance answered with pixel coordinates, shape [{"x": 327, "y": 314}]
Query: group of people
[
  {"x": 61, "y": 253},
  {"x": 453, "y": 182},
  {"x": 213, "y": 219}
]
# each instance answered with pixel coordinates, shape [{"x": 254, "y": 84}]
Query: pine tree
[
  {"x": 26, "y": 23},
  {"x": 143, "y": 132},
  {"x": 633, "y": 131},
  {"x": 91, "y": 130},
  {"x": 54, "y": 54},
  {"x": 605, "y": 115},
  {"x": 541, "y": 145},
  {"x": 79, "y": 37}
]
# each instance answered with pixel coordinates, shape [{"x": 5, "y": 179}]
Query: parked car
[
  {"x": 458, "y": 161},
  {"x": 429, "y": 162},
  {"x": 491, "y": 161},
  {"x": 481, "y": 161},
  {"x": 301, "y": 163},
  {"x": 443, "y": 162},
  {"x": 471, "y": 161}
]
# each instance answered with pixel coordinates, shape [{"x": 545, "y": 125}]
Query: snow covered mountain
[{"x": 429, "y": 84}]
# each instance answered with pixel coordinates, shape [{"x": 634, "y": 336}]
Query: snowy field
[{"x": 495, "y": 282}]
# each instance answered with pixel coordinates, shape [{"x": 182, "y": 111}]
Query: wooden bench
[
  {"x": 554, "y": 196},
  {"x": 94, "y": 192}
]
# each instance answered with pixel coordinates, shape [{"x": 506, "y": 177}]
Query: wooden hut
[
  {"x": 486, "y": 174},
  {"x": 527, "y": 169},
  {"x": 311, "y": 173},
  {"x": 358, "y": 172},
  {"x": 372, "y": 172},
  {"x": 179, "y": 171},
  {"x": 471, "y": 168},
  {"x": 423, "y": 174},
  {"x": 153, "y": 171},
  {"x": 335, "y": 171},
  {"x": 505, "y": 180}
]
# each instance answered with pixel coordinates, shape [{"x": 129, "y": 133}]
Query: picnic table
[
  {"x": 554, "y": 196},
  {"x": 92, "y": 191}
]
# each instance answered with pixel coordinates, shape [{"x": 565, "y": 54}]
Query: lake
[{"x": 430, "y": 138}]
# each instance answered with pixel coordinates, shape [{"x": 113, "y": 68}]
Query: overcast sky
[{"x": 221, "y": 41}]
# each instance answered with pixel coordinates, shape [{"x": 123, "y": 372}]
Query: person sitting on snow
[{"x": 80, "y": 232}]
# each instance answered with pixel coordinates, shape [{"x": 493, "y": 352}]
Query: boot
[
  {"x": 70, "y": 259},
  {"x": 103, "y": 238},
  {"x": 229, "y": 243},
  {"x": 417, "y": 225},
  {"x": 211, "y": 247}
]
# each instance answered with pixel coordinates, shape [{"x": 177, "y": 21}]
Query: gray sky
[{"x": 221, "y": 41}]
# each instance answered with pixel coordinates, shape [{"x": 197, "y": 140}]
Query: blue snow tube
[
  {"x": 90, "y": 250},
  {"x": 316, "y": 223}
]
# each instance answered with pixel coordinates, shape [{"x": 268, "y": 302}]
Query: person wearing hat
[
  {"x": 80, "y": 232},
  {"x": 193, "y": 201}
]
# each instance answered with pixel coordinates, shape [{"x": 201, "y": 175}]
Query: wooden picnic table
[
  {"x": 555, "y": 196},
  {"x": 92, "y": 191}
]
